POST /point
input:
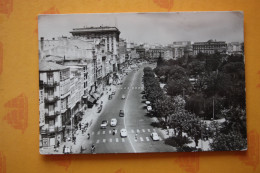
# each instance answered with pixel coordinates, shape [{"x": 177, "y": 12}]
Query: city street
[{"x": 135, "y": 121}]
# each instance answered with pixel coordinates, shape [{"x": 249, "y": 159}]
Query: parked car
[
  {"x": 149, "y": 108},
  {"x": 113, "y": 122},
  {"x": 110, "y": 97},
  {"x": 155, "y": 136},
  {"x": 113, "y": 92},
  {"x": 104, "y": 124},
  {"x": 123, "y": 133},
  {"x": 121, "y": 113},
  {"x": 99, "y": 109},
  {"x": 147, "y": 103},
  {"x": 123, "y": 97}
]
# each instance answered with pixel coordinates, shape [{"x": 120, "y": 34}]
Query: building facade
[
  {"x": 54, "y": 88},
  {"x": 209, "y": 47},
  {"x": 109, "y": 34}
]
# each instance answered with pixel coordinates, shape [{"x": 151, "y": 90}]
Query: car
[
  {"x": 123, "y": 133},
  {"x": 123, "y": 97},
  {"x": 99, "y": 109},
  {"x": 147, "y": 103},
  {"x": 149, "y": 108},
  {"x": 104, "y": 124},
  {"x": 155, "y": 136},
  {"x": 113, "y": 92},
  {"x": 110, "y": 97},
  {"x": 121, "y": 113},
  {"x": 113, "y": 122},
  {"x": 143, "y": 92}
]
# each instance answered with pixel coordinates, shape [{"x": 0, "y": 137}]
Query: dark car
[
  {"x": 110, "y": 97},
  {"x": 121, "y": 113},
  {"x": 104, "y": 124},
  {"x": 99, "y": 109}
]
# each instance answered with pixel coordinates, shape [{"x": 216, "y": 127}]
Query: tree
[
  {"x": 213, "y": 62},
  {"x": 178, "y": 86},
  {"x": 196, "y": 67},
  {"x": 160, "y": 61},
  {"x": 229, "y": 141}
]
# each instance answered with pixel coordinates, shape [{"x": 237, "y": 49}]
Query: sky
[{"x": 152, "y": 28}]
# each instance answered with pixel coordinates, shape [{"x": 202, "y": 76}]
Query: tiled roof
[{"x": 50, "y": 66}]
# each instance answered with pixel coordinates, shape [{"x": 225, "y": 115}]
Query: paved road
[{"x": 135, "y": 121}]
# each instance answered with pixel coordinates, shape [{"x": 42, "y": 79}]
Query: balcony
[
  {"x": 51, "y": 129},
  {"x": 50, "y": 84},
  {"x": 51, "y": 99},
  {"x": 52, "y": 114}
]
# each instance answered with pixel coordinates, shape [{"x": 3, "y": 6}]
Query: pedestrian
[
  {"x": 79, "y": 126},
  {"x": 114, "y": 131},
  {"x": 64, "y": 149},
  {"x": 136, "y": 136},
  {"x": 74, "y": 139},
  {"x": 58, "y": 143},
  {"x": 88, "y": 136}
]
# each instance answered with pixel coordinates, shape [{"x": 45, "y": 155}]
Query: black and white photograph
[{"x": 141, "y": 82}]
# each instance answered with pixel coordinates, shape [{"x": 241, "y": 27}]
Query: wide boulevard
[{"x": 135, "y": 121}]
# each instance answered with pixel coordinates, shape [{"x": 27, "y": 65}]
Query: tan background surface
[{"x": 19, "y": 115}]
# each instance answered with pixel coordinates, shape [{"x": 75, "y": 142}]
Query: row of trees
[
  {"x": 171, "y": 110},
  {"x": 201, "y": 87}
]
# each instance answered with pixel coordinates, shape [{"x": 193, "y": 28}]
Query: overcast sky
[{"x": 162, "y": 28}]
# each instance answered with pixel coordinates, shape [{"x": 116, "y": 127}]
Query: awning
[
  {"x": 95, "y": 96},
  {"x": 91, "y": 99}
]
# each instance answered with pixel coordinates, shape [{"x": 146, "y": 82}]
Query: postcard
[{"x": 142, "y": 82}]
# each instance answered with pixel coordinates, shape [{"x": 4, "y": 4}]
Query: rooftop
[
  {"x": 50, "y": 66},
  {"x": 94, "y": 29}
]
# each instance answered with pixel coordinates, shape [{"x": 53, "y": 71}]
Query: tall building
[
  {"x": 109, "y": 34},
  {"x": 122, "y": 51},
  {"x": 54, "y": 93},
  {"x": 209, "y": 47}
]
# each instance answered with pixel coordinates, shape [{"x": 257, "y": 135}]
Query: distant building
[
  {"x": 140, "y": 51},
  {"x": 168, "y": 53},
  {"x": 122, "y": 50},
  {"x": 181, "y": 48},
  {"x": 234, "y": 48},
  {"x": 155, "y": 53},
  {"x": 209, "y": 47}
]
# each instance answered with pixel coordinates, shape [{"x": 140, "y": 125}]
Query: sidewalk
[
  {"x": 82, "y": 144},
  {"x": 202, "y": 144}
]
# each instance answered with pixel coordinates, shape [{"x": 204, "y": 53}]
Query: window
[
  {"x": 50, "y": 77},
  {"x": 51, "y": 108}
]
